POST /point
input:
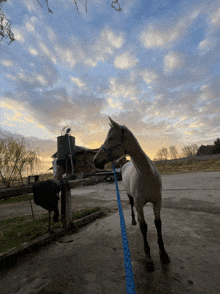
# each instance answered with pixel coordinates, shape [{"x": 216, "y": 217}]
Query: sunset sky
[{"x": 154, "y": 67}]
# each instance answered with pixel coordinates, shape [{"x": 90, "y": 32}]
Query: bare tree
[
  {"x": 190, "y": 150},
  {"x": 15, "y": 157},
  {"x": 162, "y": 154},
  {"x": 114, "y": 5},
  {"x": 5, "y": 24},
  {"x": 158, "y": 155},
  {"x": 173, "y": 152}
]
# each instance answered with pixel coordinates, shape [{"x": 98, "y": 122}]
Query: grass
[
  {"x": 16, "y": 199},
  {"x": 18, "y": 230},
  {"x": 191, "y": 165},
  {"x": 84, "y": 212}
]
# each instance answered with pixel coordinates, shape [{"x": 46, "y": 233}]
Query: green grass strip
[
  {"x": 18, "y": 230},
  {"x": 16, "y": 199}
]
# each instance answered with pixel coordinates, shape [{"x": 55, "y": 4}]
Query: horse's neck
[{"x": 140, "y": 160}]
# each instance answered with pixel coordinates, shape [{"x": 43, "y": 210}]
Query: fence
[{"x": 66, "y": 212}]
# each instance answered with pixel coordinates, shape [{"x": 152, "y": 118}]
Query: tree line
[
  {"x": 187, "y": 151},
  {"x": 216, "y": 146},
  {"x": 172, "y": 153}
]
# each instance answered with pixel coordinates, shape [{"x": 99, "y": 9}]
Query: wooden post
[{"x": 66, "y": 211}]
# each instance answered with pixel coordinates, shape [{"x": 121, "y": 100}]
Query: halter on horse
[{"x": 109, "y": 150}]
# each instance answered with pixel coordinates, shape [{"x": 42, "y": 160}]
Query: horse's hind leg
[
  {"x": 143, "y": 228},
  {"x": 131, "y": 199},
  {"x": 163, "y": 255}
]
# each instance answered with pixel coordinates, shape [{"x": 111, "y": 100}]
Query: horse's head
[{"x": 113, "y": 147}]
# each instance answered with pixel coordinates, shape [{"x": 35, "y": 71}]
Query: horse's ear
[{"x": 113, "y": 123}]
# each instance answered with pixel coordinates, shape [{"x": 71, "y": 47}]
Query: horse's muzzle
[{"x": 98, "y": 164}]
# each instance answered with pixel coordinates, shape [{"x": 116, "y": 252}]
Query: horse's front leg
[{"x": 143, "y": 228}]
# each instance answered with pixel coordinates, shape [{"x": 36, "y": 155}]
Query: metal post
[{"x": 70, "y": 155}]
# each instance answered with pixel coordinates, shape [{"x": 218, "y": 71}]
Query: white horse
[{"x": 140, "y": 178}]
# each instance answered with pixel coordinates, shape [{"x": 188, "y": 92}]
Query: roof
[{"x": 79, "y": 150}]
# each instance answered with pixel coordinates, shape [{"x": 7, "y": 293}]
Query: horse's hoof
[
  {"x": 150, "y": 266},
  {"x": 164, "y": 258},
  {"x": 133, "y": 223}
]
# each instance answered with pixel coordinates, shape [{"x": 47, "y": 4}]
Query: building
[{"x": 83, "y": 161}]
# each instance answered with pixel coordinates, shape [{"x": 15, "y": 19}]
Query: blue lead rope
[{"x": 130, "y": 286}]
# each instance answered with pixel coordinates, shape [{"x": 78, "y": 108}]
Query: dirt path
[
  {"x": 93, "y": 262},
  {"x": 194, "y": 191}
]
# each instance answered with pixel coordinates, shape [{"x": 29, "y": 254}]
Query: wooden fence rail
[{"x": 10, "y": 192}]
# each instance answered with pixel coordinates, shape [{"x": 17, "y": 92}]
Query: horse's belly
[
  {"x": 142, "y": 188},
  {"x": 127, "y": 172}
]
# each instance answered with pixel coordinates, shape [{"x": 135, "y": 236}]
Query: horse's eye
[{"x": 109, "y": 139}]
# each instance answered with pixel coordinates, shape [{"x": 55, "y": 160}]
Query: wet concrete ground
[{"x": 93, "y": 262}]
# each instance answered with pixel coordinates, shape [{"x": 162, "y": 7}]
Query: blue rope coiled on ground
[{"x": 130, "y": 286}]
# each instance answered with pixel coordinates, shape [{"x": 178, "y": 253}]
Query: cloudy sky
[{"x": 153, "y": 67}]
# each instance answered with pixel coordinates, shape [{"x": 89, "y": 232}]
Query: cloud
[
  {"x": 7, "y": 62},
  {"x": 104, "y": 47},
  {"x": 112, "y": 39},
  {"x": 32, "y": 80},
  {"x": 73, "y": 51},
  {"x": 55, "y": 108},
  {"x": 30, "y": 27},
  {"x": 125, "y": 61},
  {"x": 78, "y": 82},
  {"x": 205, "y": 44},
  {"x": 33, "y": 51},
  {"x": 173, "y": 61},
  {"x": 215, "y": 17},
  {"x": 19, "y": 36},
  {"x": 11, "y": 104},
  {"x": 210, "y": 92},
  {"x": 161, "y": 95},
  {"x": 30, "y": 4},
  {"x": 114, "y": 103},
  {"x": 123, "y": 87},
  {"x": 148, "y": 76},
  {"x": 66, "y": 54},
  {"x": 211, "y": 39},
  {"x": 169, "y": 29},
  {"x": 51, "y": 35},
  {"x": 36, "y": 73},
  {"x": 154, "y": 37}
]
